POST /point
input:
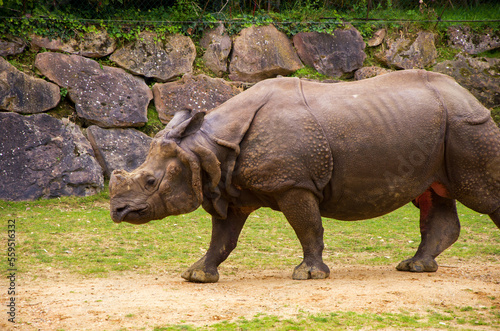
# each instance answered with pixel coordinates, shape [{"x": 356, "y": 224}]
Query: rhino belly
[
  {"x": 372, "y": 180},
  {"x": 369, "y": 198},
  {"x": 387, "y": 146}
]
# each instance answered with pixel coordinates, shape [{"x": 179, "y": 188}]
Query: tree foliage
[
  {"x": 16, "y": 7},
  {"x": 125, "y": 19}
]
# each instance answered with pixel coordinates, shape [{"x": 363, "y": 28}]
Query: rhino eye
[{"x": 150, "y": 182}]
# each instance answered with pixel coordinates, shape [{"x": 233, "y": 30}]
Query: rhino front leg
[
  {"x": 301, "y": 209},
  {"x": 225, "y": 233},
  {"x": 439, "y": 229}
]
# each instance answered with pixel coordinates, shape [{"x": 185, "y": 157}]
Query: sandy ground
[{"x": 58, "y": 300}]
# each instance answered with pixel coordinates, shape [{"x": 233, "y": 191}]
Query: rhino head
[{"x": 167, "y": 183}]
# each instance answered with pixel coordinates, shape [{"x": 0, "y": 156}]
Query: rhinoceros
[{"x": 348, "y": 151}]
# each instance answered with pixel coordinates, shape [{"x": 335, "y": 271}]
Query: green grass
[
  {"x": 77, "y": 235},
  {"x": 451, "y": 319}
]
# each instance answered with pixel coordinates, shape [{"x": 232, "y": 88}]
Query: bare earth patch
[{"x": 58, "y": 300}]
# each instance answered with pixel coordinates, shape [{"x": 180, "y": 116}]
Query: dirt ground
[{"x": 58, "y": 300}]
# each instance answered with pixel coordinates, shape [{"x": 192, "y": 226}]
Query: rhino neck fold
[
  {"x": 219, "y": 139},
  {"x": 217, "y": 159},
  {"x": 321, "y": 183},
  {"x": 225, "y": 127}
]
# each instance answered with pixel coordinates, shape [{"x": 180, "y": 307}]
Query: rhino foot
[
  {"x": 200, "y": 276},
  {"x": 418, "y": 265},
  {"x": 304, "y": 271}
]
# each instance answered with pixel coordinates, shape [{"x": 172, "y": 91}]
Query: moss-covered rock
[{"x": 479, "y": 75}]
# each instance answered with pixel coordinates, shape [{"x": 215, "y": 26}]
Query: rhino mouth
[{"x": 129, "y": 214}]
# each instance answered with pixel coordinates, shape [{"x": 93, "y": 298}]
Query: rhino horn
[{"x": 118, "y": 177}]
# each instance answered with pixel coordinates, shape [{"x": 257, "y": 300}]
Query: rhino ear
[
  {"x": 179, "y": 117},
  {"x": 188, "y": 127}
]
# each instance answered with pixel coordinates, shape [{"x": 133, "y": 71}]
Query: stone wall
[{"x": 42, "y": 156}]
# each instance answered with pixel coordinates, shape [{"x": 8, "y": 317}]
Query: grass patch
[
  {"x": 77, "y": 234},
  {"x": 446, "y": 54},
  {"x": 451, "y": 319}
]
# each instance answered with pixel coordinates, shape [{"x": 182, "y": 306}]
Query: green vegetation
[
  {"x": 125, "y": 19},
  {"x": 154, "y": 124},
  {"x": 77, "y": 235},
  {"x": 495, "y": 113},
  {"x": 310, "y": 73},
  {"x": 449, "y": 319}
]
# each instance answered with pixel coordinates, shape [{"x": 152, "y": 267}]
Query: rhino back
[{"x": 365, "y": 148}]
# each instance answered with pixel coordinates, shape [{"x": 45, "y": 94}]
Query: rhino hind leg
[
  {"x": 439, "y": 229},
  {"x": 301, "y": 209},
  {"x": 473, "y": 159},
  {"x": 225, "y": 233}
]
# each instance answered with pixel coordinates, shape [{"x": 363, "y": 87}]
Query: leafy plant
[
  {"x": 64, "y": 92},
  {"x": 495, "y": 113}
]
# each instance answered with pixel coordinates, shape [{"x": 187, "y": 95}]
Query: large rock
[
  {"x": 93, "y": 44},
  {"x": 368, "y": 72},
  {"x": 106, "y": 96},
  {"x": 193, "y": 93},
  {"x": 402, "y": 53},
  {"x": 331, "y": 55},
  {"x": 25, "y": 94},
  {"x": 481, "y": 76},
  {"x": 43, "y": 157},
  {"x": 261, "y": 52},
  {"x": 118, "y": 148},
  {"x": 155, "y": 57},
  {"x": 217, "y": 44},
  {"x": 11, "y": 46},
  {"x": 464, "y": 39}
]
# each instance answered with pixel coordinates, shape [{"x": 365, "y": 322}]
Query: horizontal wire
[{"x": 233, "y": 21}]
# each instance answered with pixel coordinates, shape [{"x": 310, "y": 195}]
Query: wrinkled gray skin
[{"x": 348, "y": 151}]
